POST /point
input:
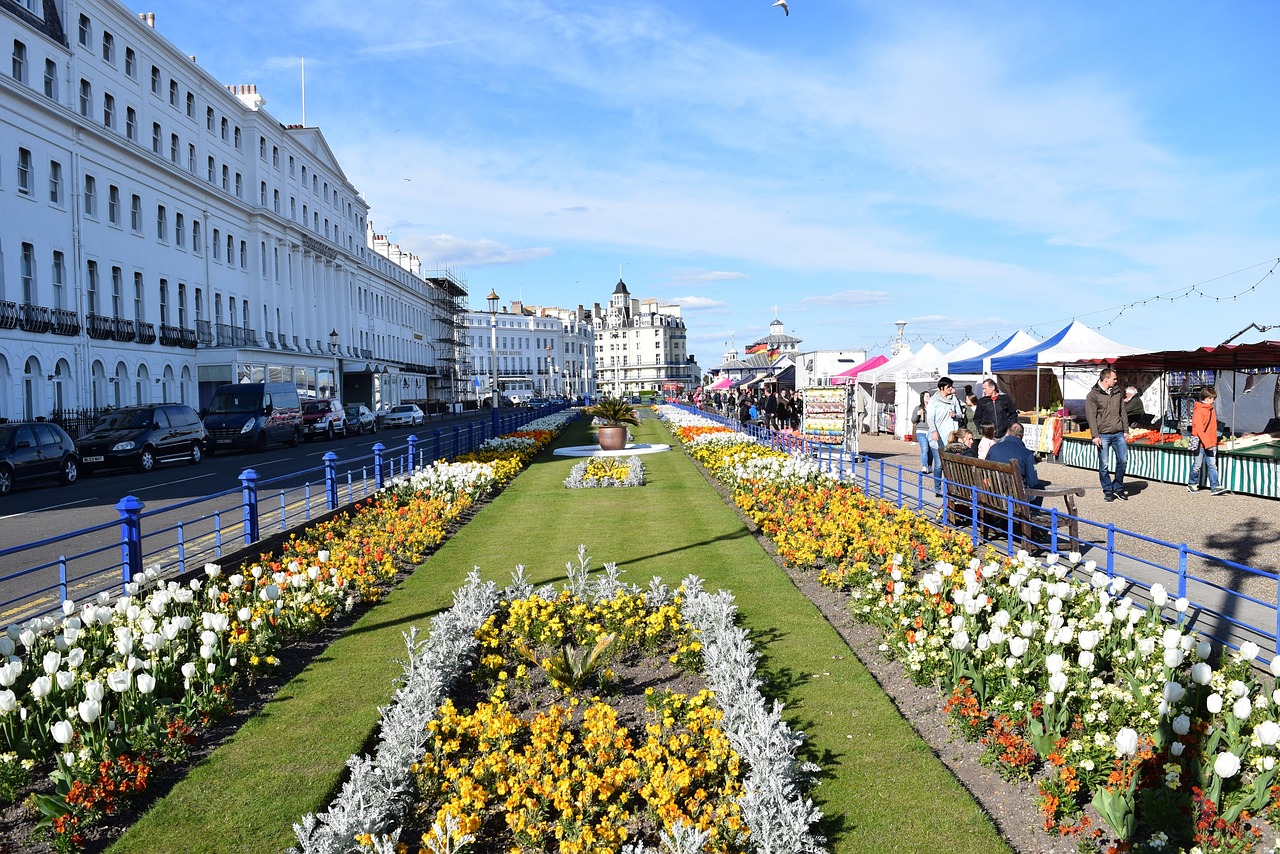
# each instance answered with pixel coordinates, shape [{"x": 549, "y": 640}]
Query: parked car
[
  {"x": 142, "y": 436},
  {"x": 404, "y": 415},
  {"x": 253, "y": 415},
  {"x": 361, "y": 420},
  {"x": 30, "y": 450},
  {"x": 538, "y": 401},
  {"x": 324, "y": 418}
]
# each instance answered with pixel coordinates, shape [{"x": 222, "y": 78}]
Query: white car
[{"x": 404, "y": 415}]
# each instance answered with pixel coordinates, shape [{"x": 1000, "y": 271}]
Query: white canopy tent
[
  {"x": 869, "y": 395},
  {"x": 923, "y": 375}
]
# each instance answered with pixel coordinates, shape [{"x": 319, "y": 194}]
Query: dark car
[
  {"x": 360, "y": 420},
  {"x": 323, "y": 418},
  {"x": 142, "y": 436},
  {"x": 34, "y": 449}
]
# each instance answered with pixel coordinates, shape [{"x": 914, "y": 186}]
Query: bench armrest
[{"x": 1057, "y": 491}]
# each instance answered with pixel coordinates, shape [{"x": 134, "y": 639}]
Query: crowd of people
[{"x": 768, "y": 407}]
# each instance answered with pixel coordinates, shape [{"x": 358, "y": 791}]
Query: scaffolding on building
[{"x": 449, "y": 297}]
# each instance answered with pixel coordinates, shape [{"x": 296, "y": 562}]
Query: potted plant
[{"x": 614, "y": 414}]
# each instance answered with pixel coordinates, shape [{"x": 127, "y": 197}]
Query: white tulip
[
  {"x": 189, "y": 670},
  {"x": 1173, "y": 692},
  {"x": 51, "y": 662},
  {"x": 1055, "y": 605},
  {"x": 1227, "y": 765},
  {"x": 1018, "y": 646},
  {"x": 6, "y": 646},
  {"x": 61, "y": 732},
  {"x": 119, "y": 680},
  {"x": 1182, "y": 725},
  {"x": 1203, "y": 650},
  {"x": 206, "y": 652},
  {"x": 1086, "y": 660},
  {"x": 40, "y": 687},
  {"x": 1176, "y": 748},
  {"x": 1050, "y": 698},
  {"x": 208, "y": 637},
  {"x": 1181, "y": 604},
  {"x": 8, "y": 701},
  {"x": 1238, "y": 688},
  {"x": 1171, "y": 638},
  {"x": 64, "y": 679},
  {"x": 256, "y": 571},
  {"x": 244, "y": 615},
  {"x": 1173, "y": 658},
  {"x": 1248, "y": 651},
  {"x": 9, "y": 673},
  {"x": 1242, "y": 708},
  {"x": 1275, "y": 666},
  {"x": 1065, "y": 634},
  {"x": 28, "y": 638},
  {"x": 1089, "y": 639},
  {"x": 271, "y": 592},
  {"x": 323, "y": 555},
  {"x": 146, "y": 683},
  {"x": 1127, "y": 741},
  {"x": 960, "y": 641},
  {"x": 1053, "y": 663},
  {"x": 212, "y": 570},
  {"x": 1213, "y": 703},
  {"x": 211, "y": 668},
  {"x": 313, "y": 572},
  {"x": 1268, "y": 732},
  {"x": 1201, "y": 673},
  {"x": 1159, "y": 596},
  {"x": 89, "y": 710},
  {"x": 1058, "y": 683}
]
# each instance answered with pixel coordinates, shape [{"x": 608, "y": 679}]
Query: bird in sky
[{"x": 783, "y": 3}]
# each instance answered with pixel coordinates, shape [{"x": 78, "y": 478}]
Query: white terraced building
[
  {"x": 161, "y": 234},
  {"x": 541, "y": 352}
]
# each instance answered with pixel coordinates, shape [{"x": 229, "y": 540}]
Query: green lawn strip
[{"x": 882, "y": 785}]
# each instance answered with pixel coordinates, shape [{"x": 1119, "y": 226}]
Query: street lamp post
[
  {"x": 333, "y": 348},
  {"x": 493, "y": 356}
]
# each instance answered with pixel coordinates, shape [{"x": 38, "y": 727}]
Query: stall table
[{"x": 1249, "y": 471}]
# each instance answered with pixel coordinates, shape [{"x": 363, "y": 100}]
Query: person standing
[
  {"x": 1104, "y": 410},
  {"x": 920, "y": 426},
  {"x": 997, "y": 407},
  {"x": 1135, "y": 414},
  {"x": 944, "y": 415},
  {"x": 770, "y": 406},
  {"x": 1204, "y": 427}
]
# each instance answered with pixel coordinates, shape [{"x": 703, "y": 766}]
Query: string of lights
[{"x": 995, "y": 335}]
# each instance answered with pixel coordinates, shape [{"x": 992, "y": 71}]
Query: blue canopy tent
[{"x": 980, "y": 365}]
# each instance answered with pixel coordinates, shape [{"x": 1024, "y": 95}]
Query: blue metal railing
[
  {"x": 240, "y": 516},
  {"x": 1217, "y": 608}
]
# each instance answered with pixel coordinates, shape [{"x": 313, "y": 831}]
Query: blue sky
[{"x": 972, "y": 168}]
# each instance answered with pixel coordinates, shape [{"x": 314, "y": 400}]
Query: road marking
[
  {"x": 172, "y": 482},
  {"x": 53, "y": 507}
]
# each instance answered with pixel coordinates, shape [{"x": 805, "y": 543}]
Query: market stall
[{"x": 1248, "y": 406}]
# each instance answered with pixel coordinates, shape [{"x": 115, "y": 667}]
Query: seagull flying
[{"x": 783, "y": 4}]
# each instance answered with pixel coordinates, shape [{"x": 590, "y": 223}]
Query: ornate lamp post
[
  {"x": 333, "y": 348},
  {"x": 493, "y": 356}
]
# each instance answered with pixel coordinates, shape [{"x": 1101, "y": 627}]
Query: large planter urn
[{"x": 613, "y": 438}]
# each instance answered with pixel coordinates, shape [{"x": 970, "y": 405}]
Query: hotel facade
[{"x": 162, "y": 234}]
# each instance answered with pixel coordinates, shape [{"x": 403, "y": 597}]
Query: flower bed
[
  {"x": 116, "y": 685},
  {"x": 535, "y": 749},
  {"x": 602, "y": 471},
  {"x": 1059, "y": 675}
]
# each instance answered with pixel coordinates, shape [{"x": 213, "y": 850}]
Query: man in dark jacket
[
  {"x": 1104, "y": 410},
  {"x": 1011, "y": 447},
  {"x": 770, "y": 406},
  {"x": 995, "y": 407}
]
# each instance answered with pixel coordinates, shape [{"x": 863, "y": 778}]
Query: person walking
[
  {"x": 997, "y": 407},
  {"x": 1204, "y": 431},
  {"x": 920, "y": 426},
  {"x": 944, "y": 415},
  {"x": 1104, "y": 410}
]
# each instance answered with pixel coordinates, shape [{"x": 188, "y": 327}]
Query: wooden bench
[{"x": 995, "y": 484}]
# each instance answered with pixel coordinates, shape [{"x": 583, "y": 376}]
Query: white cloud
[
  {"x": 703, "y": 277},
  {"x": 454, "y": 251},
  {"x": 697, "y": 303},
  {"x": 848, "y": 299}
]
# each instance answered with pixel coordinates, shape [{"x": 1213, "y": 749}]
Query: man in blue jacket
[{"x": 1011, "y": 447}]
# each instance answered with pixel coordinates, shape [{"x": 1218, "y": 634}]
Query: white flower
[
  {"x": 1089, "y": 639},
  {"x": 1018, "y": 646},
  {"x": 1053, "y": 663},
  {"x": 51, "y": 662},
  {"x": 189, "y": 670},
  {"x": 1159, "y": 596},
  {"x": 1171, "y": 638},
  {"x": 1127, "y": 741},
  {"x": 1248, "y": 651},
  {"x": 1275, "y": 666},
  {"x": 8, "y": 701},
  {"x": 1182, "y": 725},
  {"x": 119, "y": 680},
  {"x": 1181, "y": 604},
  {"x": 1146, "y": 646},
  {"x": 89, "y": 710},
  {"x": 1086, "y": 660},
  {"x": 1227, "y": 765},
  {"x": 41, "y": 686},
  {"x": 61, "y": 732},
  {"x": 1176, "y": 748},
  {"x": 1242, "y": 708},
  {"x": 1213, "y": 703},
  {"x": 1173, "y": 658},
  {"x": 64, "y": 679},
  {"x": 1173, "y": 692},
  {"x": 1058, "y": 683},
  {"x": 1201, "y": 673},
  {"x": 1268, "y": 732},
  {"x": 960, "y": 641},
  {"x": 1238, "y": 688},
  {"x": 146, "y": 683}
]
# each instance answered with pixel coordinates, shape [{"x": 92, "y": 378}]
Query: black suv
[
  {"x": 35, "y": 449},
  {"x": 141, "y": 436}
]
